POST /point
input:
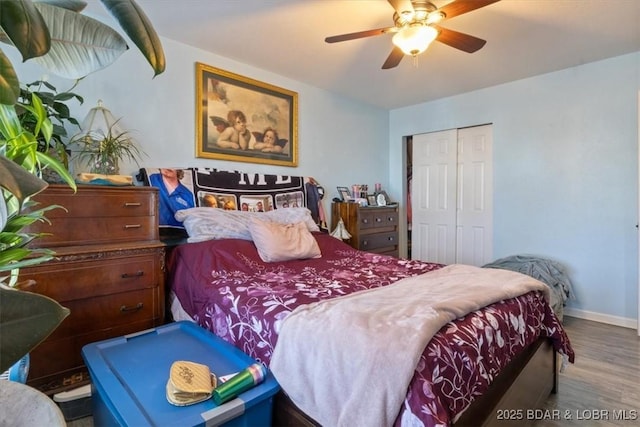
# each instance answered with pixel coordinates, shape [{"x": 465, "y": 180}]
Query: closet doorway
[{"x": 450, "y": 219}]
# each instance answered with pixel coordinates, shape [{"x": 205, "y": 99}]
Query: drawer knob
[
  {"x": 125, "y": 309},
  {"x": 365, "y": 221},
  {"x": 128, "y": 226},
  {"x": 390, "y": 219},
  {"x": 391, "y": 238},
  {"x": 132, "y": 204},
  {"x": 138, "y": 273},
  {"x": 365, "y": 242},
  {"x": 378, "y": 219}
]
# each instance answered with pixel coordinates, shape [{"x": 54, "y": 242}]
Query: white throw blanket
[{"x": 348, "y": 361}]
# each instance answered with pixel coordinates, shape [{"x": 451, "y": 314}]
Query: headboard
[{"x": 182, "y": 188}]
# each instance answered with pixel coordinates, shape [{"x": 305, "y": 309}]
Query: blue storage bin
[{"x": 129, "y": 377}]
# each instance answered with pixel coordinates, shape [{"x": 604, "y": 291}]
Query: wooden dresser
[
  {"x": 372, "y": 229},
  {"x": 108, "y": 270}
]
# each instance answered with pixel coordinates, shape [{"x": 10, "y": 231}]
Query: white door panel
[
  {"x": 434, "y": 197},
  {"x": 451, "y": 195},
  {"x": 475, "y": 195}
]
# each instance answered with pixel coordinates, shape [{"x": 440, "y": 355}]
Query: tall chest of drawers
[
  {"x": 108, "y": 270},
  {"x": 372, "y": 228}
]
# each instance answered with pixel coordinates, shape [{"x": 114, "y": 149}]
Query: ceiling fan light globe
[
  {"x": 413, "y": 40},
  {"x": 435, "y": 17}
]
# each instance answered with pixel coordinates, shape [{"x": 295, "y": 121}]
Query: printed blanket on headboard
[{"x": 183, "y": 188}]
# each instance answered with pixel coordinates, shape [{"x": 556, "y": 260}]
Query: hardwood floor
[
  {"x": 603, "y": 383},
  {"x": 602, "y": 387}
]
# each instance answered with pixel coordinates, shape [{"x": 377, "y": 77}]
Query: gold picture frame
[{"x": 269, "y": 114}]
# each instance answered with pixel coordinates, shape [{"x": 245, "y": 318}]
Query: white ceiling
[{"x": 524, "y": 38}]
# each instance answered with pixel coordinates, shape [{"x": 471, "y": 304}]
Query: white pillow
[
  {"x": 283, "y": 242},
  {"x": 212, "y": 223},
  {"x": 289, "y": 216}
]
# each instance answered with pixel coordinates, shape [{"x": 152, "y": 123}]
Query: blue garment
[{"x": 181, "y": 198}]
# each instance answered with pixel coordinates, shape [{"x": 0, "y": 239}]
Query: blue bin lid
[{"x": 131, "y": 372}]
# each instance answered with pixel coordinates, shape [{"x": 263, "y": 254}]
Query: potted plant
[
  {"x": 58, "y": 112},
  {"x": 103, "y": 152},
  {"x": 25, "y": 320}
]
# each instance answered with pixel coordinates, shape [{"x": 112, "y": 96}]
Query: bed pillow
[
  {"x": 289, "y": 216},
  {"x": 283, "y": 242},
  {"x": 211, "y": 223}
]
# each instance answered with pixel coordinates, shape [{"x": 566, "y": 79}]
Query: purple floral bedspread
[{"x": 229, "y": 290}]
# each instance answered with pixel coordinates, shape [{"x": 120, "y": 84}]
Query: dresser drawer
[
  {"x": 54, "y": 362},
  {"x": 108, "y": 311},
  {"x": 370, "y": 242},
  {"x": 92, "y": 231},
  {"x": 76, "y": 280},
  {"x": 99, "y": 201},
  {"x": 96, "y": 215},
  {"x": 378, "y": 218}
]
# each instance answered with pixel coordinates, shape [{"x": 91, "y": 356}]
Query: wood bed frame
[{"x": 524, "y": 384}]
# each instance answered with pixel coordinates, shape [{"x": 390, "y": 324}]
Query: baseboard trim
[{"x": 625, "y": 322}]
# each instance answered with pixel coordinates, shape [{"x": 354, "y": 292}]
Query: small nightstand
[
  {"x": 372, "y": 229},
  {"x": 108, "y": 270}
]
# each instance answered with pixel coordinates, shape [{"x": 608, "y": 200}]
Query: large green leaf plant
[
  {"x": 57, "y": 36},
  {"x": 25, "y": 318}
]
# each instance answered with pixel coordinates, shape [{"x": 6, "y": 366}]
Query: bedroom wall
[
  {"x": 341, "y": 142},
  {"x": 565, "y": 173}
]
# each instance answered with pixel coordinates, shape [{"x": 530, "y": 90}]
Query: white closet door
[
  {"x": 452, "y": 196},
  {"x": 433, "y": 197},
  {"x": 474, "y": 228}
]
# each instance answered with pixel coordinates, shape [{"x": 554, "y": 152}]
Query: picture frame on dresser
[
  {"x": 371, "y": 199},
  {"x": 344, "y": 193},
  {"x": 382, "y": 198},
  {"x": 257, "y": 134}
]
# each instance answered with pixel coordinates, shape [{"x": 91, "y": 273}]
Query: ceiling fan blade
[
  {"x": 402, "y": 7},
  {"x": 393, "y": 59},
  {"x": 459, "y": 7},
  {"x": 360, "y": 34},
  {"x": 464, "y": 42}
]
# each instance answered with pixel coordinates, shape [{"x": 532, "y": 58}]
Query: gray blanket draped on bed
[{"x": 550, "y": 272}]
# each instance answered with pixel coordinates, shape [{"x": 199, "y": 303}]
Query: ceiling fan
[{"x": 415, "y": 27}]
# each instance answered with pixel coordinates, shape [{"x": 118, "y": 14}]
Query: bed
[
  {"x": 470, "y": 371},
  {"x": 225, "y": 287}
]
